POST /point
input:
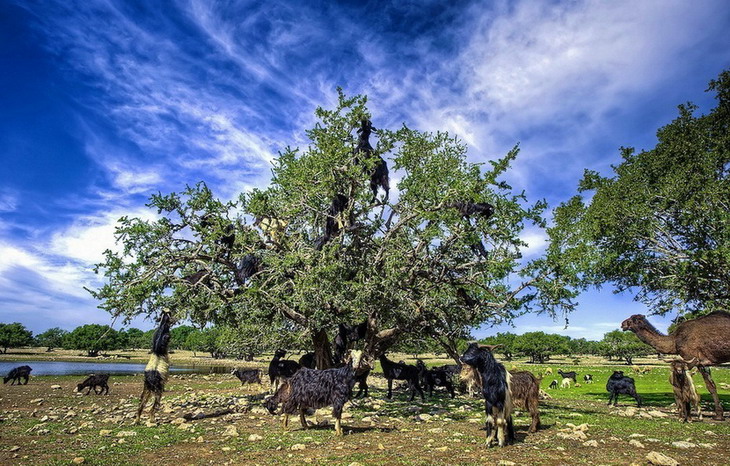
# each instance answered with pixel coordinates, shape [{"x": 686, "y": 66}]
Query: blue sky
[{"x": 106, "y": 102}]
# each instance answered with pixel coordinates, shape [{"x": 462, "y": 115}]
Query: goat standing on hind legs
[{"x": 157, "y": 370}]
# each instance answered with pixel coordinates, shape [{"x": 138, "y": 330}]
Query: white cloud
[{"x": 8, "y": 202}]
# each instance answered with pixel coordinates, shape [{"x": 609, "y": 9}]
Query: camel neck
[{"x": 664, "y": 344}]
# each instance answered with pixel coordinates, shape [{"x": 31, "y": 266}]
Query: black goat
[
  {"x": 619, "y": 384},
  {"x": 398, "y": 371},
  {"x": 496, "y": 391},
  {"x": 248, "y": 375},
  {"x": 94, "y": 381},
  {"x": 380, "y": 176},
  {"x": 157, "y": 369},
  {"x": 553, "y": 384},
  {"x": 280, "y": 369},
  {"x": 569, "y": 375},
  {"x": 346, "y": 335},
  {"x": 434, "y": 378},
  {"x": 308, "y": 360},
  {"x": 469, "y": 209},
  {"x": 15, "y": 374},
  {"x": 362, "y": 381},
  {"x": 313, "y": 389},
  {"x": 588, "y": 378}
]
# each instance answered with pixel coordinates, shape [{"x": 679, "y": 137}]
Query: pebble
[
  {"x": 660, "y": 459},
  {"x": 298, "y": 446},
  {"x": 254, "y": 438},
  {"x": 78, "y": 460},
  {"x": 684, "y": 445},
  {"x": 636, "y": 443}
]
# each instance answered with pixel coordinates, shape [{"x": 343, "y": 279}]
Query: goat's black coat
[
  {"x": 435, "y": 378},
  {"x": 346, "y": 335},
  {"x": 619, "y": 384},
  {"x": 588, "y": 378},
  {"x": 399, "y": 371},
  {"x": 248, "y": 375},
  {"x": 495, "y": 387},
  {"x": 308, "y": 360},
  {"x": 17, "y": 373},
  {"x": 247, "y": 267},
  {"x": 93, "y": 381},
  {"x": 470, "y": 209},
  {"x": 314, "y": 389},
  {"x": 380, "y": 176},
  {"x": 569, "y": 375},
  {"x": 281, "y": 368},
  {"x": 157, "y": 369},
  {"x": 554, "y": 384}
]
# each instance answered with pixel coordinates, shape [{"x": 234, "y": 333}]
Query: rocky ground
[{"x": 212, "y": 420}]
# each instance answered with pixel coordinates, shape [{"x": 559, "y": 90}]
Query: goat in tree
[
  {"x": 380, "y": 176},
  {"x": 157, "y": 370},
  {"x": 701, "y": 342}
]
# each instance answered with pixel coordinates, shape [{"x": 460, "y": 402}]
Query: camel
[{"x": 701, "y": 342}]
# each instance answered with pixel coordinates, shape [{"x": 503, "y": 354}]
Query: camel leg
[{"x": 705, "y": 371}]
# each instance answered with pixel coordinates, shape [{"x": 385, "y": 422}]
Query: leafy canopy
[{"x": 660, "y": 225}]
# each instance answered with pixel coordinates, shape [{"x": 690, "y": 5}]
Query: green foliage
[
  {"x": 93, "y": 338},
  {"x": 205, "y": 340},
  {"x": 539, "y": 346},
  {"x": 506, "y": 339},
  {"x": 52, "y": 338},
  {"x": 624, "y": 346},
  {"x": 14, "y": 335},
  {"x": 179, "y": 336},
  {"x": 660, "y": 224},
  {"x": 136, "y": 338},
  {"x": 407, "y": 266}
]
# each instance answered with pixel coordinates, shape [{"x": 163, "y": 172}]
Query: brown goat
[
  {"x": 471, "y": 378},
  {"x": 525, "y": 390},
  {"x": 684, "y": 390}
]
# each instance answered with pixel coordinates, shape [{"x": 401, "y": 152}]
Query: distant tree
[
  {"x": 179, "y": 336},
  {"x": 539, "y": 346},
  {"x": 51, "y": 338},
  {"x": 659, "y": 225},
  {"x": 624, "y": 346},
  {"x": 135, "y": 338},
  {"x": 14, "y": 335},
  {"x": 205, "y": 340},
  {"x": 506, "y": 339},
  {"x": 93, "y": 338}
]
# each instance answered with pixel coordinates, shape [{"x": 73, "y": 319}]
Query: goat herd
[{"x": 300, "y": 388}]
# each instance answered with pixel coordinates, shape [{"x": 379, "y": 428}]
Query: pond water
[{"x": 112, "y": 368}]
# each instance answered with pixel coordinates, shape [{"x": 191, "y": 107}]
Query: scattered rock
[
  {"x": 105, "y": 432},
  {"x": 298, "y": 446},
  {"x": 636, "y": 435},
  {"x": 656, "y": 413},
  {"x": 441, "y": 449},
  {"x": 231, "y": 431},
  {"x": 684, "y": 445},
  {"x": 636, "y": 443},
  {"x": 55, "y": 387},
  {"x": 78, "y": 460},
  {"x": 126, "y": 433},
  {"x": 660, "y": 459},
  {"x": 708, "y": 445},
  {"x": 14, "y": 448},
  {"x": 590, "y": 443},
  {"x": 178, "y": 421},
  {"x": 254, "y": 438},
  {"x": 710, "y": 433},
  {"x": 506, "y": 463}
]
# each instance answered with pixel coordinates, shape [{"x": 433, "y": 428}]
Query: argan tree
[
  {"x": 659, "y": 225},
  {"x": 316, "y": 249}
]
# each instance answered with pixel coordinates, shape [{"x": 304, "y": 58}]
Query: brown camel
[{"x": 702, "y": 342}]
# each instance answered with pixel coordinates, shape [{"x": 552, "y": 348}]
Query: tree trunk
[
  {"x": 376, "y": 343},
  {"x": 322, "y": 349},
  {"x": 450, "y": 346}
]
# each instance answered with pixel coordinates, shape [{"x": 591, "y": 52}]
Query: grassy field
[{"x": 41, "y": 425}]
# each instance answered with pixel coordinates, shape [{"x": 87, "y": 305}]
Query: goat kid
[
  {"x": 94, "y": 381},
  {"x": 618, "y": 384},
  {"x": 247, "y": 375},
  {"x": 685, "y": 394},
  {"x": 434, "y": 378},
  {"x": 15, "y": 374},
  {"x": 399, "y": 371}
]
